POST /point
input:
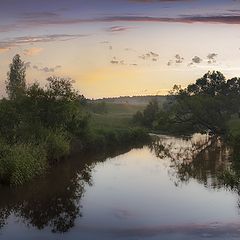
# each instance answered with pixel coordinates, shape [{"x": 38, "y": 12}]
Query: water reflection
[
  {"x": 115, "y": 192},
  {"x": 201, "y": 157},
  {"x": 53, "y": 201}
]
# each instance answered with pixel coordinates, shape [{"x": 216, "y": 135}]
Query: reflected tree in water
[
  {"x": 54, "y": 200},
  {"x": 200, "y": 157},
  {"x": 53, "y": 203}
]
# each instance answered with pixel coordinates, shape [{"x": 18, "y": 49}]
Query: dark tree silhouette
[{"x": 16, "y": 82}]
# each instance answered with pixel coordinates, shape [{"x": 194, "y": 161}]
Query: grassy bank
[
  {"x": 114, "y": 128},
  {"x": 234, "y": 133}
]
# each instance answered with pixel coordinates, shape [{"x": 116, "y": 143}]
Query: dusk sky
[{"x": 121, "y": 47}]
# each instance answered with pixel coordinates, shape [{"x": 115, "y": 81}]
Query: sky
[{"x": 120, "y": 47}]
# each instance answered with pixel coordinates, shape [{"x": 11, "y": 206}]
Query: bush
[
  {"x": 21, "y": 162},
  {"x": 57, "y": 145},
  {"x": 234, "y": 133}
]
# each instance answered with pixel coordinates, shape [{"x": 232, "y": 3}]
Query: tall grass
[{"x": 19, "y": 163}]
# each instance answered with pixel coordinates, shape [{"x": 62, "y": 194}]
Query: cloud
[
  {"x": 33, "y": 20},
  {"x": 212, "y": 57},
  {"x": 114, "y": 62},
  {"x": 117, "y": 62},
  {"x": 118, "y": 29},
  {"x": 196, "y": 60},
  {"x": 14, "y": 42},
  {"x": 47, "y": 69},
  {"x": 104, "y": 42},
  {"x": 129, "y": 49},
  {"x": 220, "y": 19},
  {"x": 177, "y": 60},
  {"x": 150, "y": 56},
  {"x": 4, "y": 48},
  {"x": 32, "y": 51},
  {"x": 38, "y": 15},
  {"x": 7, "y": 28}
]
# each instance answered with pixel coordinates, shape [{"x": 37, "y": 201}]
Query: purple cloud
[
  {"x": 14, "y": 42},
  {"x": 118, "y": 29}
]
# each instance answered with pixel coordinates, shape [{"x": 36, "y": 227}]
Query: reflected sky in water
[{"x": 161, "y": 191}]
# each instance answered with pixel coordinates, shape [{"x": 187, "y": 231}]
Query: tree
[
  {"x": 16, "y": 82},
  {"x": 206, "y": 105},
  {"x": 209, "y": 103},
  {"x": 233, "y": 93},
  {"x": 212, "y": 83},
  {"x": 61, "y": 89},
  {"x": 150, "y": 113}
]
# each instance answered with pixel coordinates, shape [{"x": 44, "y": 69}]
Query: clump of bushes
[
  {"x": 57, "y": 145},
  {"x": 111, "y": 138},
  {"x": 21, "y": 162},
  {"x": 234, "y": 134}
]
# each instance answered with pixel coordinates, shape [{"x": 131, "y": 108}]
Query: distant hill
[{"x": 134, "y": 100}]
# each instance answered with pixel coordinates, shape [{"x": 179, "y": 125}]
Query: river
[{"x": 169, "y": 189}]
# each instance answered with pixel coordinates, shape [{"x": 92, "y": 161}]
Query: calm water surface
[{"x": 168, "y": 190}]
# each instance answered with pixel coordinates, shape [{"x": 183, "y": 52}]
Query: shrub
[
  {"x": 57, "y": 145},
  {"x": 21, "y": 162},
  {"x": 234, "y": 133}
]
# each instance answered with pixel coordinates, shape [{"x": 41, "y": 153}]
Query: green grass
[
  {"x": 115, "y": 128},
  {"x": 118, "y": 116},
  {"x": 234, "y": 127},
  {"x": 234, "y": 133},
  {"x": 124, "y": 108},
  {"x": 20, "y": 163}
]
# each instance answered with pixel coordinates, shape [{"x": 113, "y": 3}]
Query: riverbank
[{"x": 39, "y": 148}]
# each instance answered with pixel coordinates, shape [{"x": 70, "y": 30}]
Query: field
[{"x": 117, "y": 116}]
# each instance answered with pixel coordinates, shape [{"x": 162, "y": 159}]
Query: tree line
[{"x": 211, "y": 104}]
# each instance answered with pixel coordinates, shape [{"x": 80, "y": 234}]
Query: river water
[{"x": 169, "y": 189}]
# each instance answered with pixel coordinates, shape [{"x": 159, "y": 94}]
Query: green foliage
[
  {"x": 39, "y": 125},
  {"x": 57, "y": 145},
  {"x": 205, "y": 106},
  {"x": 149, "y": 115},
  {"x": 9, "y": 120},
  {"x": 61, "y": 88},
  {"x": 16, "y": 83},
  {"x": 56, "y": 107},
  {"x": 204, "y": 113},
  {"x": 234, "y": 134},
  {"x": 99, "y": 107},
  {"x": 211, "y": 84},
  {"x": 138, "y": 118},
  {"x": 103, "y": 139},
  {"x": 19, "y": 163}
]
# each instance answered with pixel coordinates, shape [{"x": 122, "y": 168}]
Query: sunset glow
[{"x": 121, "y": 47}]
